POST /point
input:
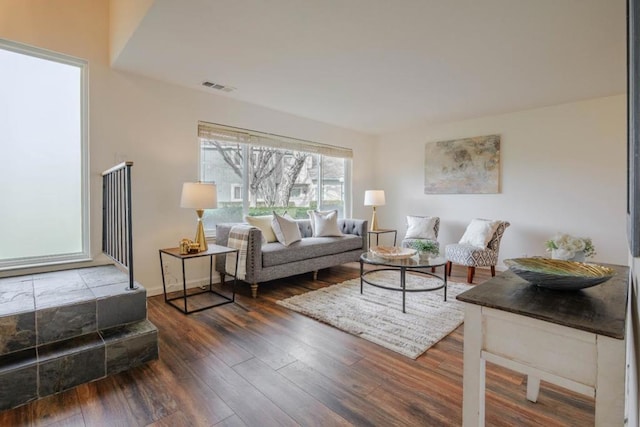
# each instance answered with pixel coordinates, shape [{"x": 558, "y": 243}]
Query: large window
[
  {"x": 258, "y": 173},
  {"x": 43, "y": 147}
]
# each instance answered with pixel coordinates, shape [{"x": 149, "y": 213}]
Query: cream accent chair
[{"x": 474, "y": 256}]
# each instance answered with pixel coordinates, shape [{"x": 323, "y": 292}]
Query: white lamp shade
[
  {"x": 199, "y": 195},
  {"x": 374, "y": 198}
]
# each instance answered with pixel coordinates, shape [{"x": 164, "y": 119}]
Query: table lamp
[
  {"x": 199, "y": 196},
  {"x": 374, "y": 198}
]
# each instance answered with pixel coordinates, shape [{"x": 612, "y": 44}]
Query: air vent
[{"x": 218, "y": 86}]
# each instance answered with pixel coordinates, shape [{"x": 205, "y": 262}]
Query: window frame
[
  {"x": 85, "y": 253},
  {"x": 314, "y": 149}
]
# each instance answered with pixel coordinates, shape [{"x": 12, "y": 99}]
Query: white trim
[{"x": 246, "y": 136}]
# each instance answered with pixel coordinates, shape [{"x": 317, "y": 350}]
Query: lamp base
[
  {"x": 374, "y": 221},
  {"x": 200, "y": 237}
]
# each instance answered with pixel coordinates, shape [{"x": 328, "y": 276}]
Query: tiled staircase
[{"x": 62, "y": 329}]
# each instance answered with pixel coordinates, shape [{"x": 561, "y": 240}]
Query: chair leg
[
  {"x": 470, "y": 272},
  {"x": 315, "y": 275},
  {"x": 448, "y": 269},
  {"x": 433, "y": 269},
  {"x": 254, "y": 290},
  {"x": 493, "y": 271}
]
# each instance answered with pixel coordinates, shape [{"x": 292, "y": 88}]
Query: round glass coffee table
[{"x": 419, "y": 265}]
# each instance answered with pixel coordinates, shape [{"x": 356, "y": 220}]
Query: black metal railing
[{"x": 117, "y": 235}]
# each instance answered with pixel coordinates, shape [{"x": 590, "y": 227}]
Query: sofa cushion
[
  {"x": 307, "y": 248},
  {"x": 479, "y": 232},
  {"x": 325, "y": 224},
  {"x": 421, "y": 227},
  {"x": 286, "y": 229},
  {"x": 264, "y": 224}
]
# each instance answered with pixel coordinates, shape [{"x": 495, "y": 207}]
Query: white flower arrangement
[{"x": 565, "y": 246}]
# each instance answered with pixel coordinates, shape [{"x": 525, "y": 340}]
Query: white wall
[
  {"x": 154, "y": 124},
  {"x": 563, "y": 169}
]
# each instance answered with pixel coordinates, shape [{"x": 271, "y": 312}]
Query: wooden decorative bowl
[{"x": 392, "y": 252}]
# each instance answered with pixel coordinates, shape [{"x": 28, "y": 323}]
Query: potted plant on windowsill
[{"x": 426, "y": 248}]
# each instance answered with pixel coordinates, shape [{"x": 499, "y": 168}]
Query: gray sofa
[{"x": 271, "y": 261}]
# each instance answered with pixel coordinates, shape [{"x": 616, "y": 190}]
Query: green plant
[
  {"x": 426, "y": 246},
  {"x": 569, "y": 245}
]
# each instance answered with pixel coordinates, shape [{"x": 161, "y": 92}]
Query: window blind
[{"x": 250, "y": 137}]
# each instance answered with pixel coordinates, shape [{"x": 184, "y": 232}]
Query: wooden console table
[{"x": 572, "y": 339}]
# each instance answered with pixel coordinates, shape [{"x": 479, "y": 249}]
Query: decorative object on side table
[
  {"x": 426, "y": 247},
  {"x": 392, "y": 252},
  {"x": 199, "y": 196},
  {"x": 569, "y": 248},
  {"x": 374, "y": 198},
  {"x": 559, "y": 274}
]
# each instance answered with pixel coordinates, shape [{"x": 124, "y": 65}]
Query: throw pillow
[
  {"x": 264, "y": 224},
  {"x": 286, "y": 229},
  {"x": 421, "y": 227},
  {"x": 325, "y": 224},
  {"x": 312, "y": 220},
  {"x": 479, "y": 232}
]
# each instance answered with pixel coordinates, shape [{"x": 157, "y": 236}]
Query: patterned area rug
[{"x": 377, "y": 315}]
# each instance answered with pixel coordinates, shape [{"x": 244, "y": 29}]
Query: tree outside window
[{"x": 273, "y": 179}]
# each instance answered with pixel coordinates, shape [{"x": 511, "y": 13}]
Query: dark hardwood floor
[{"x": 254, "y": 363}]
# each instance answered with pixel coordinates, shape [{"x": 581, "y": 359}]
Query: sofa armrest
[
  {"x": 357, "y": 227},
  {"x": 254, "y": 250}
]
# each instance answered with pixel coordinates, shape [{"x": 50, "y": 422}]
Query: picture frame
[{"x": 463, "y": 166}]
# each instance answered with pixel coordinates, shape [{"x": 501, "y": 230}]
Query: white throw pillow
[
  {"x": 286, "y": 229},
  {"x": 325, "y": 224},
  {"x": 264, "y": 224},
  {"x": 421, "y": 227},
  {"x": 479, "y": 232}
]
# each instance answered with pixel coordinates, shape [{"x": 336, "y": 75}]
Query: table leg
[
  {"x": 235, "y": 278},
  {"x": 395, "y": 237},
  {"x": 164, "y": 285},
  {"x": 533, "y": 388},
  {"x": 184, "y": 287},
  {"x": 404, "y": 287},
  {"x": 473, "y": 379},
  {"x": 610, "y": 381},
  {"x": 211, "y": 272},
  {"x": 361, "y": 273},
  {"x": 445, "y": 282}
]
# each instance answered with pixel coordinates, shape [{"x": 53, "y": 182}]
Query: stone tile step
[
  {"x": 52, "y": 368},
  {"x": 44, "y": 308}
]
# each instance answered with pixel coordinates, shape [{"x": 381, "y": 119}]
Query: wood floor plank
[
  {"x": 198, "y": 403},
  {"x": 177, "y": 419},
  {"x": 18, "y": 417},
  {"x": 104, "y": 400},
  {"x": 244, "y": 399},
  {"x": 290, "y": 398},
  {"x": 352, "y": 407},
  {"x": 298, "y": 337},
  {"x": 55, "y": 408},
  {"x": 73, "y": 421},
  {"x": 254, "y": 344},
  {"x": 232, "y": 421},
  {"x": 148, "y": 397}
]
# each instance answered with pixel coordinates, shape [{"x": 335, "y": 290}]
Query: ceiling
[{"x": 380, "y": 66}]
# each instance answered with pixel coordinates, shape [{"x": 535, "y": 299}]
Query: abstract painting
[{"x": 463, "y": 166}]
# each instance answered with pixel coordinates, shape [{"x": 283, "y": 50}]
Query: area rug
[{"x": 377, "y": 315}]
